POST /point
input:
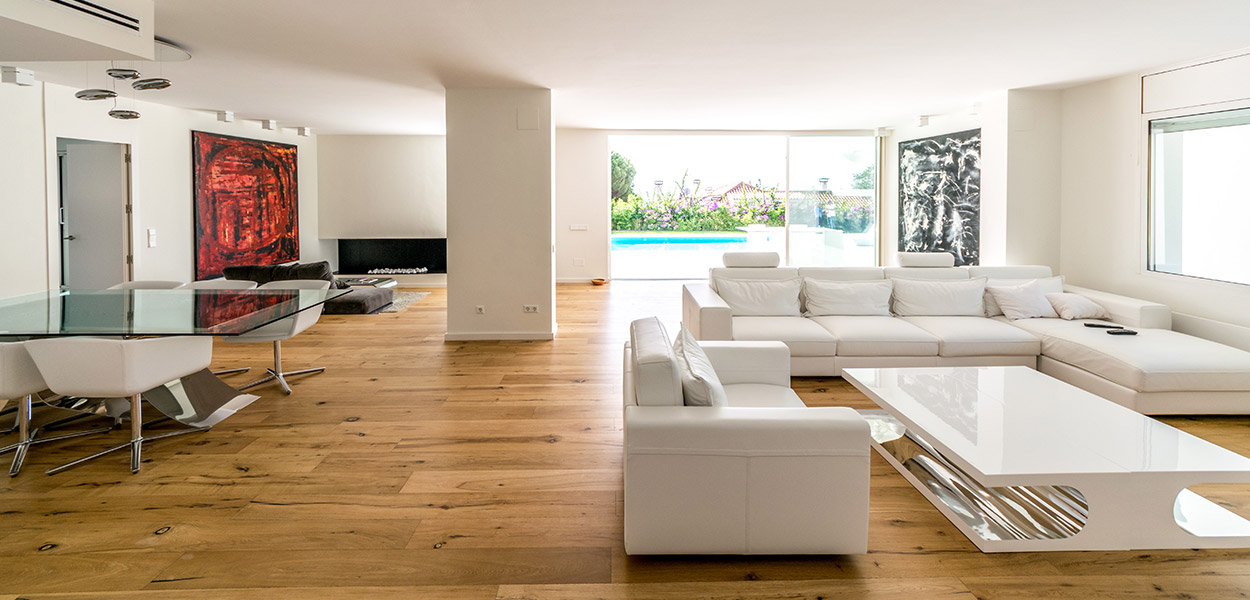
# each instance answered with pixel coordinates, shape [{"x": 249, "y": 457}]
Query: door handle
[{"x": 69, "y": 238}]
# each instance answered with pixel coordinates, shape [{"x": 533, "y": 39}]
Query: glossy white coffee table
[{"x": 1020, "y": 461}]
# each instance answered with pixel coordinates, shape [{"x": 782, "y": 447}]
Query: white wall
[
  {"x": 1033, "y": 178},
  {"x": 382, "y": 186},
  {"x": 23, "y": 216},
  {"x": 500, "y": 213},
  {"x": 1103, "y": 231},
  {"x": 160, "y": 181},
  {"x": 583, "y": 197}
]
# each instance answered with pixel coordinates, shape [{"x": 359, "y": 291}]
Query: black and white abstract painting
[{"x": 939, "y": 195}]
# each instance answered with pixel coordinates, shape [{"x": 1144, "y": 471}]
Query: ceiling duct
[{"x": 101, "y": 13}]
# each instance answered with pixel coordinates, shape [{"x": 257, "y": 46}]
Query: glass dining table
[{"x": 199, "y": 400}]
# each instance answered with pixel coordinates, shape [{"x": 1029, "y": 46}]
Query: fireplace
[{"x": 393, "y": 256}]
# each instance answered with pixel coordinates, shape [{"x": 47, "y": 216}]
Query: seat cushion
[
  {"x": 761, "y": 395},
  {"x": 361, "y": 300},
  {"x": 1154, "y": 360},
  {"x": 878, "y": 336},
  {"x": 978, "y": 336},
  {"x": 803, "y": 337}
]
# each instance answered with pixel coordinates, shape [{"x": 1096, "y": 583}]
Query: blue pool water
[{"x": 682, "y": 241}]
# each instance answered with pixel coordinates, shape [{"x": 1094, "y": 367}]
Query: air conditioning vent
[{"x": 101, "y": 13}]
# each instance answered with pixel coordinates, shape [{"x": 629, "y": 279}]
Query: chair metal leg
[
  {"x": 277, "y": 373},
  {"x": 136, "y": 439},
  {"x": 28, "y": 438},
  {"x": 229, "y": 371}
]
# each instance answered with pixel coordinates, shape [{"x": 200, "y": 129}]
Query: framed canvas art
[
  {"x": 246, "y": 202},
  {"x": 939, "y": 195}
]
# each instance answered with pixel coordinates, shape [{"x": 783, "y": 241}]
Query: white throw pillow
[
  {"x": 761, "y": 297},
  {"x": 825, "y": 298},
  {"x": 1026, "y": 301},
  {"x": 699, "y": 383},
  {"x": 1050, "y": 285},
  {"x": 1076, "y": 306},
  {"x": 939, "y": 298}
]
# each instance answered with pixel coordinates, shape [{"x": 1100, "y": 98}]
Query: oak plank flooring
[{"x": 416, "y": 468}]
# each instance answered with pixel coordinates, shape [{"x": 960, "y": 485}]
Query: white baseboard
[
  {"x": 489, "y": 336},
  {"x": 577, "y": 279}
]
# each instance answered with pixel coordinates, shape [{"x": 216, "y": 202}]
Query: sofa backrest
[
  {"x": 926, "y": 273},
  {"x": 653, "y": 365},
  {"x": 751, "y": 259},
  {"x": 843, "y": 273},
  {"x": 1020, "y": 272}
]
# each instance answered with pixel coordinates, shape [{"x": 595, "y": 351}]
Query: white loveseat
[
  {"x": 1158, "y": 371},
  {"x": 764, "y": 475}
]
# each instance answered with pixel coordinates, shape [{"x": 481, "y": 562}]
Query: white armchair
[{"x": 765, "y": 475}]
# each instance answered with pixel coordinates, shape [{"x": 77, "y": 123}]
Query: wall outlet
[
  {"x": 151, "y": 238},
  {"x": 579, "y": 262},
  {"x": 481, "y": 309},
  {"x": 530, "y": 308}
]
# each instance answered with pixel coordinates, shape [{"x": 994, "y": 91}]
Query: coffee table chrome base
[{"x": 1087, "y": 512}]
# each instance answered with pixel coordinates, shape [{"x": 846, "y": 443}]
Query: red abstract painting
[{"x": 246, "y": 203}]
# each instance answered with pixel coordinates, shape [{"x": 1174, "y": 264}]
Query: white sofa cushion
[
  {"x": 657, "y": 381},
  {"x": 761, "y": 298},
  {"x": 1027, "y": 301},
  {"x": 801, "y": 335},
  {"x": 878, "y": 336},
  {"x": 1154, "y": 360},
  {"x": 760, "y": 395},
  {"x": 922, "y": 298},
  {"x": 699, "y": 383},
  {"x": 1075, "y": 306},
  {"x": 1047, "y": 285},
  {"x": 847, "y": 297},
  {"x": 977, "y": 336}
]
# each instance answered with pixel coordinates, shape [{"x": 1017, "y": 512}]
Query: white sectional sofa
[
  {"x": 763, "y": 475},
  {"x": 1158, "y": 371}
]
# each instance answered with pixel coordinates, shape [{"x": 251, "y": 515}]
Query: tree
[
  {"x": 866, "y": 179},
  {"x": 622, "y": 177}
]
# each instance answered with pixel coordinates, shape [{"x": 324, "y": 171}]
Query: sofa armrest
[
  {"x": 711, "y": 431},
  {"x": 1128, "y": 311},
  {"x": 749, "y": 362},
  {"x": 705, "y": 313}
]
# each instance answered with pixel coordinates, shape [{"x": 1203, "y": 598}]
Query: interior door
[{"x": 94, "y": 221}]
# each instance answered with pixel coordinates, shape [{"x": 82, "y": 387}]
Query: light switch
[
  {"x": 579, "y": 227},
  {"x": 151, "y": 238}
]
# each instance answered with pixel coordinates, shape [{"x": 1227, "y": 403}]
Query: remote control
[
  {"x": 1104, "y": 326},
  {"x": 1121, "y": 331}
]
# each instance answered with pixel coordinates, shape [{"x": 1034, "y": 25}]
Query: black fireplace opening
[{"x": 393, "y": 256}]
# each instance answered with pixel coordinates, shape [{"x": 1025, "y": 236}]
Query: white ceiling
[{"x": 380, "y": 66}]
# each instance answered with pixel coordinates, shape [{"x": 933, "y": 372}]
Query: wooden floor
[{"x": 414, "y": 468}]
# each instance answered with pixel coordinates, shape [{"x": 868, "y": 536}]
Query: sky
[{"x": 723, "y": 159}]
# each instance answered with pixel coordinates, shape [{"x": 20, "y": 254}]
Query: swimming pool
[{"x": 678, "y": 241}]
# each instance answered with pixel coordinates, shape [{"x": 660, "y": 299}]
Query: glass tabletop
[{"x": 152, "y": 312}]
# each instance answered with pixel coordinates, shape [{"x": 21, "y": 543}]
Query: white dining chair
[
  {"x": 119, "y": 368},
  {"x": 283, "y": 329},
  {"x": 20, "y": 379},
  {"x": 146, "y": 284},
  {"x": 219, "y": 284}
]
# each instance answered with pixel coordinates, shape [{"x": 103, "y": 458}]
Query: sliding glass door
[
  {"x": 832, "y": 211},
  {"x": 679, "y": 201}
]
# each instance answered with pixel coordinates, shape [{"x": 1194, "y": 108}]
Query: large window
[
  {"x": 680, "y": 201},
  {"x": 1199, "y": 197}
]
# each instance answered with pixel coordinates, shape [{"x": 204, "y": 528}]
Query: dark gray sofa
[{"x": 361, "y": 300}]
